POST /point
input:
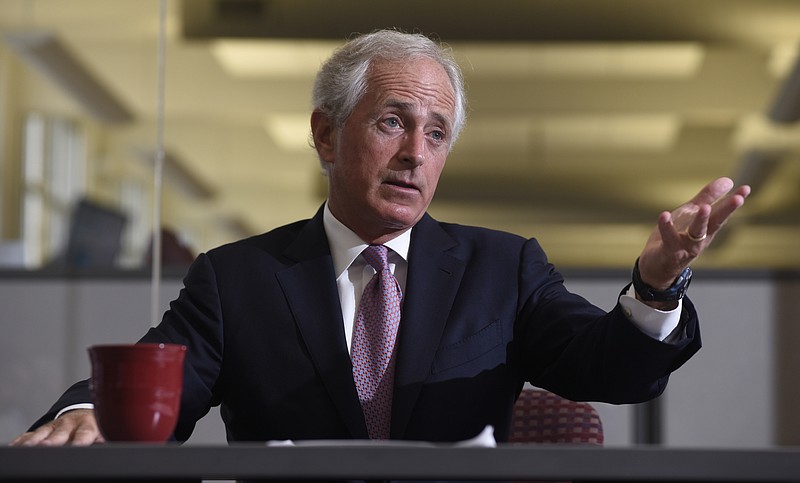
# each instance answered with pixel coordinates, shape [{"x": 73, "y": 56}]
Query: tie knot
[{"x": 377, "y": 256}]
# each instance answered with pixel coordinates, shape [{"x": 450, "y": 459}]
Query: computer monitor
[{"x": 95, "y": 236}]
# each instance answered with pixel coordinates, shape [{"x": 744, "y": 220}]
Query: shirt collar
[{"x": 346, "y": 246}]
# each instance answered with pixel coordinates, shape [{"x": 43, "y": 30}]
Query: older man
[{"x": 373, "y": 320}]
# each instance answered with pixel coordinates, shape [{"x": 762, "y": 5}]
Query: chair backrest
[{"x": 543, "y": 417}]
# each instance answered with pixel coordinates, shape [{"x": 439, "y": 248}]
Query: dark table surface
[{"x": 543, "y": 462}]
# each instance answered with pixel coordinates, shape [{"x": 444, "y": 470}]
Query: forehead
[{"x": 420, "y": 82}]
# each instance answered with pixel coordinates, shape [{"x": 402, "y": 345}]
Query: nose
[{"x": 413, "y": 149}]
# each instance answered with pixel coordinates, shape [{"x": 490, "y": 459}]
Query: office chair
[{"x": 543, "y": 417}]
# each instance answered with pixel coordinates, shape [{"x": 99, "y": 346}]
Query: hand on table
[{"x": 76, "y": 428}]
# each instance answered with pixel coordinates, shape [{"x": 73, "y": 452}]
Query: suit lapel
[
  {"x": 310, "y": 289},
  {"x": 433, "y": 280}
]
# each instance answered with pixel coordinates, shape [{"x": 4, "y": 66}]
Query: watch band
[{"x": 676, "y": 291}]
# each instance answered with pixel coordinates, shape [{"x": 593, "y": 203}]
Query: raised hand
[{"x": 683, "y": 234}]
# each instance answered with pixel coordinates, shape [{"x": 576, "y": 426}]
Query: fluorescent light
[
  {"x": 781, "y": 59},
  {"x": 629, "y": 60},
  {"x": 756, "y": 132},
  {"x": 290, "y": 132},
  {"x": 273, "y": 58},
  {"x": 643, "y": 133},
  {"x": 44, "y": 52}
]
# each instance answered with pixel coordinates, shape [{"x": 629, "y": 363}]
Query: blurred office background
[{"x": 588, "y": 118}]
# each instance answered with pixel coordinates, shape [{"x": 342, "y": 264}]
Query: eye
[
  {"x": 392, "y": 122},
  {"x": 437, "y": 135}
]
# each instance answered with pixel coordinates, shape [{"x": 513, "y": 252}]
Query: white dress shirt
[{"x": 353, "y": 272}]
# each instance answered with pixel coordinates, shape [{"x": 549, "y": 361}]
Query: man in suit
[{"x": 269, "y": 320}]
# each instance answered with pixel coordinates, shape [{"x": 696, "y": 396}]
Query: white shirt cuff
[
  {"x": 658, "y": 324},
  {"x": 73, "y": 407}
]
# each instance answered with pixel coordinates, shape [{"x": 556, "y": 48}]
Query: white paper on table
[{"x": 485, "y": 439}]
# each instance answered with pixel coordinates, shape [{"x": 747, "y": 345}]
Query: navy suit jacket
[{"x": 483, "y": 312}]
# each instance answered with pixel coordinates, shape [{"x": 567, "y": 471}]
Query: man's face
[{"x": 385, "y": 162}]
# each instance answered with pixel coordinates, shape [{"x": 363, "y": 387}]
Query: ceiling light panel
[
  {"x": 272, "y": 58},
  {"x": 642, "y": 133},
  {"x": 289, "y": 132},
  {"x": 757, "y": 132},
  {"x": 781, "y": 59},
  {"x": 628, "y": 60}
]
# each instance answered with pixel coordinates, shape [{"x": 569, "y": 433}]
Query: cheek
[{"x": 434, "y": 172}]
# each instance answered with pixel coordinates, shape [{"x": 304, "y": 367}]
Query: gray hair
[{"x": 342, "y": 80}]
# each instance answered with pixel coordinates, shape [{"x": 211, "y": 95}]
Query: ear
[{"x": 323, "y": 132}]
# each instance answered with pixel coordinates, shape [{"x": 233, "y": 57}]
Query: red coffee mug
[{"x": 136, "y": 389}]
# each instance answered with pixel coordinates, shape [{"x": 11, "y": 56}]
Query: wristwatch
[{"x": 675, "y": 291}]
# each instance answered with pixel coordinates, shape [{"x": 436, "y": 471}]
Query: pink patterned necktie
[{"x": 374, "y": 341}]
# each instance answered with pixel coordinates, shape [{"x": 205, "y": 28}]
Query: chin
[{"x": 400, "y": 219}]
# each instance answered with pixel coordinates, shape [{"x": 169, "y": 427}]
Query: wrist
[
  {"x": 661, "y": 299},
  {"x": 74, "y": 407}
]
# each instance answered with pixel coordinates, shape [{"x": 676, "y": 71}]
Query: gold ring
[{"x": 696, "y": 239}]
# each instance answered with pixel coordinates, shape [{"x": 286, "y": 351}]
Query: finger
[
  {"x": 20, "y": 440},
  {"x": 59, "y": 436},
  {"x": 77, "y": 427},
  {"x": 713, "y": 191},
  {"x": 85, "y": 435},
  {"x": 724, "y": 209},
  {"x": 743, "y": 191},
  {"x": 33, "y": 438},
  {"x": 669, "y": 235},
  {"x": 698, "y": 227}
]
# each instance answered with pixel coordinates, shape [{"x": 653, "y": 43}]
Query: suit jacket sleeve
[{"x": 567, "y": 345}]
